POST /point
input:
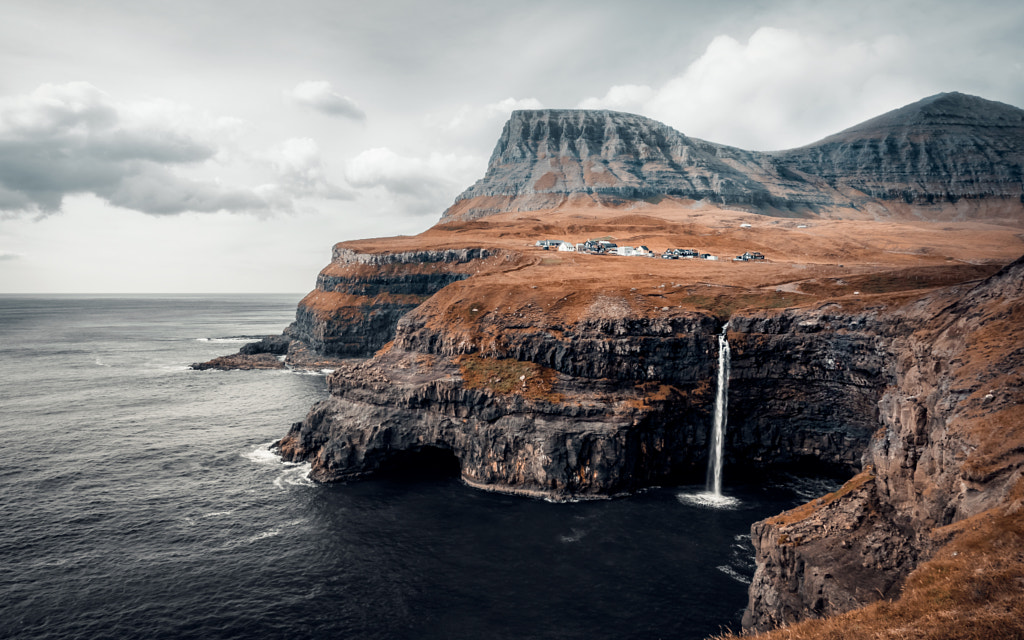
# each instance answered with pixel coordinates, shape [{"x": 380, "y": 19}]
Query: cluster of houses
[
  {"x": 608, "y": 248},
  {"x": 749, "y": 256}
]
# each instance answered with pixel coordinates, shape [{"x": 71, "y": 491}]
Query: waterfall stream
[
  {"x": 721, "y": 416},
  {"x": 712, "y": 494}
]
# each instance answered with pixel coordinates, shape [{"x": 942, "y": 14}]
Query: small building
[
  {"x": 746, "y": 225},
  {"x": 548, "y": 244},
  {"x": 625, "y": 251},
  {"x": 566, "y": 246},
  {"x": 642, "y": 250},
  {"x": 749, "y": 256}
]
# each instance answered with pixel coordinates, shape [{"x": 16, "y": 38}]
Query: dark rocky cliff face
[
  {"x": 359, "y": 298},
  {"x": 948, "y": 446},
  {"x": 616, "y": 401},
  {"x": 944, "y": 149},
  {"x": 634, "y": 392}
]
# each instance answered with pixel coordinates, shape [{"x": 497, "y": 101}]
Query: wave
[
  {"x": 270, "y": 533},
  {"x": 231, "y": 339},
  {"x": 264, "y": 454},
  {"x": 298, "y": 476},
  {"x": 732, "y": 573},
  {"x": 295, "y": 474}
]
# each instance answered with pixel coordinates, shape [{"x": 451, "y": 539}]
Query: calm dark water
[{"x": 138, "y": 500}]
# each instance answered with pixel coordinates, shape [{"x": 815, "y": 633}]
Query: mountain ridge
[{"x": 930, "y": 155}]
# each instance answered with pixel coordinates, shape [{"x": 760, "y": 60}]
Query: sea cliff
[{"x": 887, "y": 350}]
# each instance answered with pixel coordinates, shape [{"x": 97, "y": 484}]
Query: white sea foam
[
  {"x": 297, "y": 476},
  {"x": 217, "y": 514},
  {"x": 270, "y": 533},
  {"x": 231, "y": 339},
  {"x": 262, "y": 454},
  {"x": 307, "y": 372},
  {"x": 732, "y": 573},
  {"x": 709, "y": 500},
  {"x": 575, "y": 536}
]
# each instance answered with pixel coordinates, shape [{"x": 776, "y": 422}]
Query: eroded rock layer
[
  {"x": 360, "y": 297},
  {"x": 948, "y": 148},
  {"x": 949, "y": 446}
]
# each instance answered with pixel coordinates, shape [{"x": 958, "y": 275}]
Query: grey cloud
[
  {"x": 319, "y": 95},
  {"x": 70, "y": 139},
  {"x": 301, "y": 171},
  {"x": 156, "y": 191}
]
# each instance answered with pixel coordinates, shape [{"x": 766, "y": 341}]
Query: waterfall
[{"x": 714, "y": 479}]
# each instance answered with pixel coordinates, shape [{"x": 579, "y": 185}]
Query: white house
[
  {"x": 566, "y": 246},
  {"x": 625, "y": 251}
]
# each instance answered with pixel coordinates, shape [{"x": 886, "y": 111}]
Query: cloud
[
  {"x": 421, "y": 184},
  {"x": 301, "y": 173},
  {"x": 72, "y": 138},
  {"x": 628, "y": 97},
  {"x": 319, "y": 96},
  {"x": 475, "y": 116},
  {"x": 8, "y": 255},
  {"x": 780, "y": 89}
]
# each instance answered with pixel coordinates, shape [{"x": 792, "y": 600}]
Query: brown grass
[
  {"x": 806, "y": 510},
  {"x": 507, "y": 376},
  {"x": 972, "y": 589}
]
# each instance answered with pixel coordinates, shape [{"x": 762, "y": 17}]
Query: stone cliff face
[
  {"x": 635, "y": 387},
  {"x": 544, "y": 157},
  {"x": 944, "y": 149},
  {"x": 948, "y": 446},
  {"x": 360, "y": 297},
  {"x": 567, "y": 392},
  {"x": 515, "y": 397}
]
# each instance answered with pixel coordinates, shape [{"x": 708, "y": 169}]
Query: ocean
[{"x": 139, "y": 499}]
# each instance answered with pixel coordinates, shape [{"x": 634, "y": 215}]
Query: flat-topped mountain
[
  {"x": 546, "y": 157},
  {"x": 949, "y": 156}
]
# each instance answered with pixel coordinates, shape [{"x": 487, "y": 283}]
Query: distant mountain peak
[
  {"x": 953, "y": 109},
  {"x": 938, "y": 151}
]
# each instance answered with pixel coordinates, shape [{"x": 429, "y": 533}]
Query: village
[{"x": 605, "y": 247}]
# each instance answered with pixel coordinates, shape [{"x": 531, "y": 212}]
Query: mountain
[
  {"x": 925, "y": 160},
  {"x": 947, "y": 147}
]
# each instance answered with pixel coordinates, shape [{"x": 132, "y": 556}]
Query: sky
[{"x": 223, "y": 147}]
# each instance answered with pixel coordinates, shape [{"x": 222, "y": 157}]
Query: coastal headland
[{"x": 878, "y": 334}]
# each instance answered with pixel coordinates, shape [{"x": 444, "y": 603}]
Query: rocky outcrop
[
  {"x": 535, "y": 433},
  {"x": 949, "y": 446},
  {"x": 241, "y": 362},
  {"x": 360, "y": 297},
  {"x": 948, "y": 148},
  {"x": 612, "y": 401},
  {"x": 261, "y": 354},
  {"x": 635, "y": 387}
]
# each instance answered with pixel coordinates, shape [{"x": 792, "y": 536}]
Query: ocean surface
[{"x": 138, "y": 499}]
